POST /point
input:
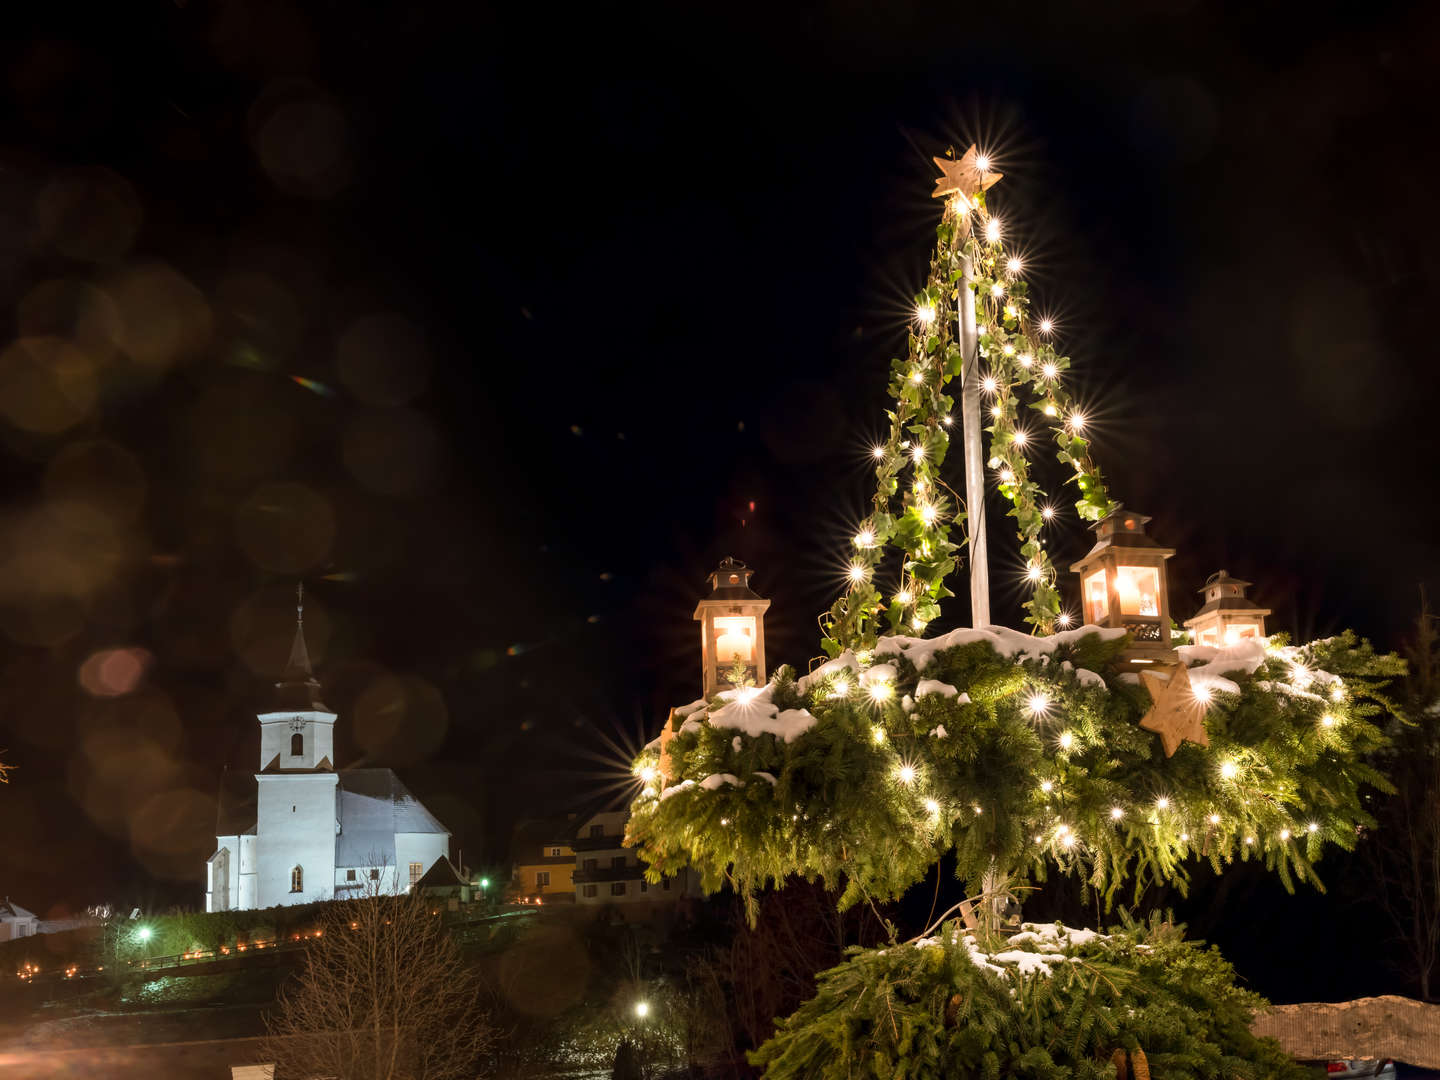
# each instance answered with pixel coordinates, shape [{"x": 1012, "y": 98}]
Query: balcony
[
  {"x": 633, "y": 872},
  {"x": 609, "y": 842}
]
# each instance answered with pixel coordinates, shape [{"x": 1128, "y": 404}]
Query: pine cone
[
  {"x": 1142, "y": 1066},
  {"x": 1122, "y": 1068}
]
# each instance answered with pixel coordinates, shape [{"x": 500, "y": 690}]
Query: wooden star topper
[
  {"x": 1176, "y": 713},
  {"x": 964, "y": 177}
]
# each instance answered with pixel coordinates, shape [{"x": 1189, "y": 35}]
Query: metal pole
[{"x": 974, "y": 450}]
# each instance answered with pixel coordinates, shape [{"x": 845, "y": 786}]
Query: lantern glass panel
[
  {"x": 1210, "y": 635},
  {"x": 1097, "y": 600},
  {"x": 1240, "y": 632},
  {"x": 1138, "y": 589},
  {"x": 735, "y": 638}
]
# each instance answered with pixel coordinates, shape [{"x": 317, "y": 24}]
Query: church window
[
  {"x": 417, "y": 871},
  {"x": 297, "y": 745},
  {"x": 349, "y": 875},
  {"x": 617, "y": 888},
  {"x": 297, "y": 880}
]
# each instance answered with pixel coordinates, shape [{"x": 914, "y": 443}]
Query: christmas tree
[{"x": 1068, "y": 752}]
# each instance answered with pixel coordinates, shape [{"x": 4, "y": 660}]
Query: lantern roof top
[
  {"x": 1222, "y": 577},
  {"x": 1122, "y": 531},
  {"x": 1238, "y": 601},
  {"x": 731, "y": 581}
]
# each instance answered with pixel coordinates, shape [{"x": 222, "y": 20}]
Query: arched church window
[
  {"x": 297, "y": 880},
  {"x": 297, "y": 744}
]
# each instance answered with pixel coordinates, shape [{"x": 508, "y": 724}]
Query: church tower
[{"x": 296, "y": 811}]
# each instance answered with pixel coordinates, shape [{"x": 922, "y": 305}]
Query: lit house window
[
  {"x": 555, "y": 851},
  {"x": 417, "y": 870},
  {"x": 297, "y": 880}
]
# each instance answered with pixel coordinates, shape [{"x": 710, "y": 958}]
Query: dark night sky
[{"x": 576, "y": 288}]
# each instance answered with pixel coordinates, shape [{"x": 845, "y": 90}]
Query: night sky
[{"x": 500, "y": 326}]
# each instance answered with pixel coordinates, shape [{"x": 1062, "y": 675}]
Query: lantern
[
  {"x": 1228, "y": 616},
  {"x": 1122, "y": 585},
  {"x": 732, "y": 629}
]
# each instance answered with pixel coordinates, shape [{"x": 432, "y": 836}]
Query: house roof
[
  {"x": 537, "y": 834},
  {"x": 372, "y": 805},
  {"x": 441, "y": 875},
  {"x": 11, "y": 910}
]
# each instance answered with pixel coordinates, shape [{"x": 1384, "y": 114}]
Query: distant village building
[
  {"x": 300, "y": 830},
  {"x": 16, "y": 922},
  {"x": 581, "y": 859}
]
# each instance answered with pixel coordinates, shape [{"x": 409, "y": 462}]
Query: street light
[
  {"x": 143, "y": 933},
  {"x": 642, "y": 1009}
]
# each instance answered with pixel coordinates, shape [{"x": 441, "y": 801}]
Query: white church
[{"x": 300, "y": 830}]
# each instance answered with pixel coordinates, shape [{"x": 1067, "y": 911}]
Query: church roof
[
  {"x": 372, "y": 805},
  {"x": 11, "y": 910}
]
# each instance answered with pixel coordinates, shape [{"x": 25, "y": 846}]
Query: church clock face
[{"x": 297, "y": 723}]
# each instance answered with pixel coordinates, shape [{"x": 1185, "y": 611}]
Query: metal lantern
[
  {"x": 1228, "y": 616},
  {"x": 732, "y": 628},
  {"x": 1122, "y": 585}
]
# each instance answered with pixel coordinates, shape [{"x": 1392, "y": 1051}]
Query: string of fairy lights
[{"x": 1018, "y": 355}]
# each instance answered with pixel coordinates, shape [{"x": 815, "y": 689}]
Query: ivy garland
[{"x": 1015, "y": 357}]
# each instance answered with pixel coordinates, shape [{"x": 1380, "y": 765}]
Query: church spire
[{"x": 298, "y": 688}]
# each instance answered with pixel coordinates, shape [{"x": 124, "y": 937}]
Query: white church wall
[
  {"x": 317, "y": 738},
  {"x": 383, "y": 883},
  {"x": 295, "y": 821},
  {"x": 422, "y": 848},
  {"x": 222, "y": 875}
]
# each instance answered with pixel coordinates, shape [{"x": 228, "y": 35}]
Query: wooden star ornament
[
  {"x": 1176, "y": 714},
  {"x": 964, "y": 177}
]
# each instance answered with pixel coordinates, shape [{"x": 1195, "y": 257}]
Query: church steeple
[{"x": 298, "y": 688}]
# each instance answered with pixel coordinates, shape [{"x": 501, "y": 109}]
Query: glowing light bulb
[
  {"x": 1046, "y": 786},
  {"x": 916, "y": 378},
  {"x": 881, "y": 691},
  {"x": 877, "y": 452},
  {"x": 857, "y": 572},
  {"x": 907, "y": 774},
  {"x": 865, "y": 538},
  {"x": 917, "y": 624},
  {"x": 1008, "y": 349},
  {"x": 982, "y": 162},
  {"x": 1050, "y": 408},
  {"x": 1047, "y": 513},
  {"x": 1021, "y": 438},
  {"x": 1337, "y": 692},
  {"x": 1026, "y": 360},
  {"x": 932, "y": 807},
  {"x": 1162, "y": 803},
  {"x": 904, "y": 597},
  {"x": 996, "y": 410},
  {"x": 1077, "y": 421},
  {"x": 878, "y": 734},
  {"x": 947, "y": 420},
  {"x": 917, "y": 455},
  {"x": 997, "y": 290},
  {"x": 647, "y": 774},
  {"x": 1300, "y": 675},
  {"x": 1327, "y": 721},
  {"x": 841, "y": 688},
  {"x": 1202, "y": 694},
  {"x": 1249, "y": 840},
  {"x": 1034, "y": 572},
  {"x": 746, "y": 694},
  {"x": 1049, "y": 370},
  {"x": 1312, "y": 827},
  {"x": 1063, "y": 620},
  {"x": 1184, "y": 837},
  {"x": 1038, "y": 704},
  {"x": 1066, "y": 740},
  {"x": 724, "y": 821},
  {"x": 1116, "y": 813},
  {"x": 989, "y": 385},
  {"x": 1213, "y": 819},
  {"x": 1013, "y": 265},
  {"x": 925, "y": 313},
  {"x": 1228, "y": 770},
  {"x": 928, "y": 514},
  {"x": 992, "y": 230},
  {"x": 1284, "y": 834},
  {"x": 1006, "y": 476},
  {"x": 1068, "y": 840},
  {"x": 1046, "y": 326}
]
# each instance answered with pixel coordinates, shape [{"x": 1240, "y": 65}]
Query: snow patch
[
  {"x": 676, "y": 789},
  {"x": 1243, "y": 657},
  {"x": 752, "y": 712},
  {"x": 844, "y": 662},
  {"x": 715, "y": 781},
  {"x": 944, "y": 689},
  {"x": 1006, "y": 642},
  {"x": 939, "y": 732},
  {"x": 1087, "y": 677},
  {"x": 765, "y": 776}
]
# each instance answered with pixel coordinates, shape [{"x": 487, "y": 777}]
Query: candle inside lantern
[
  {"x": 1097, "y": 601},
  {"x": 1138, "y": 590},
  {"x": 734, "y": 638}
]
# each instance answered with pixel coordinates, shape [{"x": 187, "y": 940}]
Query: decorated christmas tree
[{"x": 1106, "y": 753}]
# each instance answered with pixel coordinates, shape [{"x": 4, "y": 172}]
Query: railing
[{"x": 615, "y": 842}]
